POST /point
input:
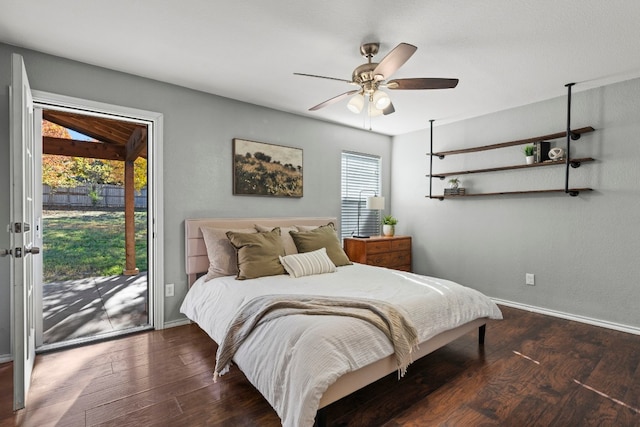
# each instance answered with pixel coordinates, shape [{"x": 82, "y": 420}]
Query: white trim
[
  {"x": 155, "y": 121},
  {"x": 157, "y": 224},
  {"x": 178, "y": 322},
  {"x": 91, "y": 339},
  {"x": 568, "y": 316},
  {"x": 4, "y": 358}
]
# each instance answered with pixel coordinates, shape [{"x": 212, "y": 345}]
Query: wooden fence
[{"x": 105, "y": 197}]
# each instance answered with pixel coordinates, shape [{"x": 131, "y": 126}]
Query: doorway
[
  {"x": 25, "y": 214},
  {"x": 96, "y": 226}
]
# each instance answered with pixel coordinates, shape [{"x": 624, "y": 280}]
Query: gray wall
[
  {"x": 584, "y": 251},
  {"x": 198, "y": 130}
]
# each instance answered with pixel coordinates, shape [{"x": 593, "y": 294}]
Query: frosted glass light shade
[
  {"x": 373, "y": 111},
  {"x": 356, "y": 103},
  {"x": 381, "y": 100},
  {"x": 375, "y": 202}
]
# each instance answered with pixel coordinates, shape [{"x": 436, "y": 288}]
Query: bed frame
[{"x": 197, "y": 263}]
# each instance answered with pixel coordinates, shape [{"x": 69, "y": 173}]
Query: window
[{"x": 360, "y": 179}]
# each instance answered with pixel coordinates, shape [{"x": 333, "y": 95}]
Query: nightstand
[{"x": 391, "y": 252}]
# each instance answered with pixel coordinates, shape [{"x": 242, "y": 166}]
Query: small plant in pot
[
  {"x": 528, "y": 152},
  {"x": 454, "y": 183},
  {"x": 388, "y": 225}
]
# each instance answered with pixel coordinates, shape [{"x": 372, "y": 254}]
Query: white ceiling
[{"x": 506, "y": 53}]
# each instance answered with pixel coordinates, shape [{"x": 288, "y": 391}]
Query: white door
[{"x": 22, "y": 229}]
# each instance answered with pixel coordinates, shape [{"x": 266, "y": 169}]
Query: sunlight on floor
[{"x": 93, "y": 306}]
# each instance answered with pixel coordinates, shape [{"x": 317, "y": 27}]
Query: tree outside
[
  {"x": 79, "y": 244},
  {"x": 65, "y": 171}
]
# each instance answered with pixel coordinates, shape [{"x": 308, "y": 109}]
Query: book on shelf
[{"x": 454, "y": 191}]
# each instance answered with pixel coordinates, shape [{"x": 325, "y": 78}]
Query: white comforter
[{"x": 294, "y": 359}]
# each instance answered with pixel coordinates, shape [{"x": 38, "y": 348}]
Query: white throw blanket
[{"x": 384, "y": 316}]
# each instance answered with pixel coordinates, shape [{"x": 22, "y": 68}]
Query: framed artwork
[{"x": 261, "y": 169}]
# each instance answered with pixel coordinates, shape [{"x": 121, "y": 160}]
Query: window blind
[{"x": 360, "y": 179}]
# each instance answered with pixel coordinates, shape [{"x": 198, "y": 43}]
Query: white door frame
[{"x": 155, "y": 203}]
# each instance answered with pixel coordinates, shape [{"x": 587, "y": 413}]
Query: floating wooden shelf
[
  {"x": 569, "y": 134},
  {"x": 572, "y": 192},
  {"x": 575, "y": 135},
  {"x": 573, "y": 162}
]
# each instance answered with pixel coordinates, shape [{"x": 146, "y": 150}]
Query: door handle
[{"x": 33, "y": 250}]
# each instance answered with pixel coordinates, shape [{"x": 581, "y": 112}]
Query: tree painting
[{"x": 261, "y": 169}]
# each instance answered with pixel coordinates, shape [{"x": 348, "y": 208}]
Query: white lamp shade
[
  {"x": 381, "y": 100},
  {"x": 375, "y": 202},
  {"x": 356, "y": 103},
  {"x": 373, "y": 111}
]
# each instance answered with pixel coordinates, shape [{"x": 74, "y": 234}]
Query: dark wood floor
[{"x": 534, "y": 371}]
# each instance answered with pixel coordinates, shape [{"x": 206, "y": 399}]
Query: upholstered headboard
[{"x": 196, "y": 259}]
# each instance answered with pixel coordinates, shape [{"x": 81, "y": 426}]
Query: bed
[{"x": 300, "y": 363}]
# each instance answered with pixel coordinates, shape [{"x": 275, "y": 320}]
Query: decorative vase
[
  {"x": 388, "y": 230},
  {"x": 529, "y": 160}
]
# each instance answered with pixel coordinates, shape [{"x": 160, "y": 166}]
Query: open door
[{"x": 22, "y": 229}]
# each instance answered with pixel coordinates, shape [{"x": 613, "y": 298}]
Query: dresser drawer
[
  {"x": 390, "y": 252},
  {"x": 378, "y": 247},
  {"x": 401, "y": 245},
  {"x": 390, "y": 259}
]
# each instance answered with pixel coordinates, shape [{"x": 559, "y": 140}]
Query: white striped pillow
[{"x": 308, "y": 263}]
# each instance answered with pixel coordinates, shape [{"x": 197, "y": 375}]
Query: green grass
[{"x": 84, "y": 244}]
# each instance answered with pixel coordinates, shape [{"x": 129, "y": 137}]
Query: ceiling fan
[{"x": 371, "y": 77}]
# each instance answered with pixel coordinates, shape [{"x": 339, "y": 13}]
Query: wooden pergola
[{"x": 114, "y": 140}]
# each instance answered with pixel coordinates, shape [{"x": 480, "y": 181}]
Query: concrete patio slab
[{"x": 93, "y": 306}]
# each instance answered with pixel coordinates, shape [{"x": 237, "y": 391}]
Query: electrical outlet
[
  {"x": 168, "y": 290},
  {"x": 530, "y": 279}
]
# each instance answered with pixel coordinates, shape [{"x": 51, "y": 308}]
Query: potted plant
[
  {"x": 454, "y": 183},
  {"x": 388, "y": 225},
  {"x": 528, "y": 152}
]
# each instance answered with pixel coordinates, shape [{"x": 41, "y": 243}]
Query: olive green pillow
[
  {"x": 258, "y": 253},
  {"x": 322, "y": 237}
]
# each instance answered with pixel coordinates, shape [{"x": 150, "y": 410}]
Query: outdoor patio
[{"x": 93, "y": 306}]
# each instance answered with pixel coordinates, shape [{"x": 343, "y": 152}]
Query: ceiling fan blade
[
  {"x": 323, "y": 77},
  {"x": 333, "y": 100},
  {"x": 394, "y": 60},
  {"x": 389, "y": 110},
  {"x": 422, "y": 83}
]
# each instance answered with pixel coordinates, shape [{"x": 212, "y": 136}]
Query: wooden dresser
[{"x": 391, "y": 252}]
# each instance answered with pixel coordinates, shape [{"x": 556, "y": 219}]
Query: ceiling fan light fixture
[
  {"x": 373, "y": 111},
  {"x": 380, "y": 100},
  {"x": 356, "y": 103}
]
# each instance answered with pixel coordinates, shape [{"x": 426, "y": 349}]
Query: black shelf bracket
[
  {"x": 570, "y": 136},
  {"x": 431, "y": 159}
]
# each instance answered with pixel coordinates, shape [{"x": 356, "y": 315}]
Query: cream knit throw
[{"x": 386, "y": 317}]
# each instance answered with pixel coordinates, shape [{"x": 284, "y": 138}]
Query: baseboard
[
  {"x": 178, "y": 322},
  {"x": 575, "y": 317},
  {"x": 4, "y": 358}
]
